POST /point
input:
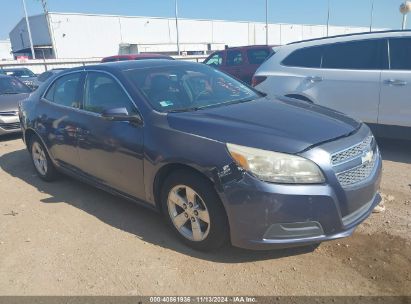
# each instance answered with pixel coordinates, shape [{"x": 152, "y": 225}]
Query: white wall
[
  {"x": 5, "y": 50},
  {"x": 85, "y": 36}
]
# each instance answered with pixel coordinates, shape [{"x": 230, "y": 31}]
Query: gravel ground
[{"x": 67, "y": 238}]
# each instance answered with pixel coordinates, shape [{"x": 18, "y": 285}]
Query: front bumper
[
  {"x": 9, "y": 124},
  {"x": 269, "y": 216}
]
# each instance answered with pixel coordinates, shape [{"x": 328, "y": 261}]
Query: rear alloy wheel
[
  {"x": 194, "y": 210},
  {"x": 41, "y": 160}
]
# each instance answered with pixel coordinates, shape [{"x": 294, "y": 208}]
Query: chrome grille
[
  {"x": 352, "y": 152},
  {"x": 356, "y": 174},
  {"x": 10, "y": 126},
  {"x": 9, "y": 113}
]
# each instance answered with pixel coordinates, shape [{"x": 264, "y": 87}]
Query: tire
[
  {"x": 178, "y": 190},
  {"x": 41, "y": 160}
]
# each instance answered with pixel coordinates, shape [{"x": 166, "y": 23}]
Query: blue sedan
[{"x": 221, "y": 161}]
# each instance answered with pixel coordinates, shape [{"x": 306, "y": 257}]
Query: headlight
[{"x": 276, "y": 167}]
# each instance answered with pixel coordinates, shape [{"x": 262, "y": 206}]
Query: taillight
[{"x": 257, "y": 80}]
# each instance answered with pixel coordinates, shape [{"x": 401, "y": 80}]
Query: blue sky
[{"x": 347, "y": 12}]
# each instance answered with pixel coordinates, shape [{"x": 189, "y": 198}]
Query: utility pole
[
  {"x": 29, "y": 30},
  {"x": 328, "y": 18},
  {"x": 266, "y": 22},
  {"x": 372, "y": 14},
  {"x": 404, "y": 21},
  {"x": 48, "y": 21},
  {"x": 178, "y": 38}
]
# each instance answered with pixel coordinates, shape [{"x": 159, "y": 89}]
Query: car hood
[
  {"x": 10, "y": 102},
  {"x": 282, "y": 125}
]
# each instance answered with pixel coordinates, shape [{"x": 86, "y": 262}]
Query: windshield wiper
[
  {"x": 247, "y": 99},
  {"x": 9, "y": 93},
  {"x": 193, "y": 109},
  {"x": 185, "y": 110}
]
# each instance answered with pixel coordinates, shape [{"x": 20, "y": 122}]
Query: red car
[
  {"x": 135, "y": 57},
  {"x": 240, "y": 62}
]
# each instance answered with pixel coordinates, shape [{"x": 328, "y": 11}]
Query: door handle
[
  {"x": 395, "y": 82},
  {"x": 314, "y": 79}
]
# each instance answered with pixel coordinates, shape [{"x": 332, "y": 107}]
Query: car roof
[
  {"x": 246, "y": 47},
  {"x": 133, "y": 64},
  {"x": 353, "y": 36},
  {"x": 137, "y": 56}
]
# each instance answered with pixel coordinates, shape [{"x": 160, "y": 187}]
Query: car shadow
[
  {"x": 145, "y": 224},
  {"x": 12, "y": 136},
  {"x": 395, "y": 150}
]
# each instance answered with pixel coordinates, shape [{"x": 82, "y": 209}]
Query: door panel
[
  {"x": 395, "y": 105},
  {"x": 111, "y": 152},
  {"x": 343, "y": 76},
  {"x": 60, "y": 125},
  {"x": 59, "y": 108},
  {"x": 355, "y": 93}
]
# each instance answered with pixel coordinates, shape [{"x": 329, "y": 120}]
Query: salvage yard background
[{"x": 67, "y": 238}]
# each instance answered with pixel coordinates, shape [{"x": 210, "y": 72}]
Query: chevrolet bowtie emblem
[{"x": 367, "y": 156}]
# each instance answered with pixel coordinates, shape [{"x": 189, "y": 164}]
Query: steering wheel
[{"x": 202, "y": 94}]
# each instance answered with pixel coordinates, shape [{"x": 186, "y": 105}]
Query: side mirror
[{"x": 120, "y": 114}]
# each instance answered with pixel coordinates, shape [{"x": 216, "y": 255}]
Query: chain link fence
[{"x": 40, "y": 66}]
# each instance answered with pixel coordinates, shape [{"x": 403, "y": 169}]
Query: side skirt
[{"x": 83, "y": 178}]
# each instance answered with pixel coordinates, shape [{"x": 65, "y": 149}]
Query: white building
[
  {"x": 5, "y": 50},
  {"x": 69, "y": 35}
]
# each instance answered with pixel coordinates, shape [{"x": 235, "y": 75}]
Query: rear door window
[
  {"x": 234, "y": 58},
  {"x": 309, "y": 57},
  {"x": 257, "y": 56},
  {"x": 355, "y": 55},
  {"x": 400, "y": 53},
  {"x": 65, "y": 90}
]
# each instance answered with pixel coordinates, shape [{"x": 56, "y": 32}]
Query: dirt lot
[{"x": 67, "y": 238}]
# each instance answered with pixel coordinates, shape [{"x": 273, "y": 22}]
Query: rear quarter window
[{"x": 309, "y": 57}]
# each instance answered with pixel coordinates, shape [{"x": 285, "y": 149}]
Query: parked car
[
  {"x": 46, "y": 75},
  {"x": 135, "y": 57},
  {"x": 367, "y": 76},
  {"x": 12, "y": 91},
  {"x": 240, "y": 62},
  {"x": 24, "y": 74},
  {"x": 220, "y": 160}
]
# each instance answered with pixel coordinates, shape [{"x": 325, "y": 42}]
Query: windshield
[
  {"x": 20, "y": 73},
  {"x": 12, "y": 86},
  {"x": 188, "y": 87}
]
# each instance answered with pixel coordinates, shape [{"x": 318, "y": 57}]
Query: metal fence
[{"x": 40, "y": 66}]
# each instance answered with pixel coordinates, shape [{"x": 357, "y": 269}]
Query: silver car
[
  {"x": 366, "y": 75},
  {"x": 12, "y": 91}
]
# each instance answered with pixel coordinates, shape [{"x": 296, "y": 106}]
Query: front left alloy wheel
[{"x": 194, "y": 210}]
